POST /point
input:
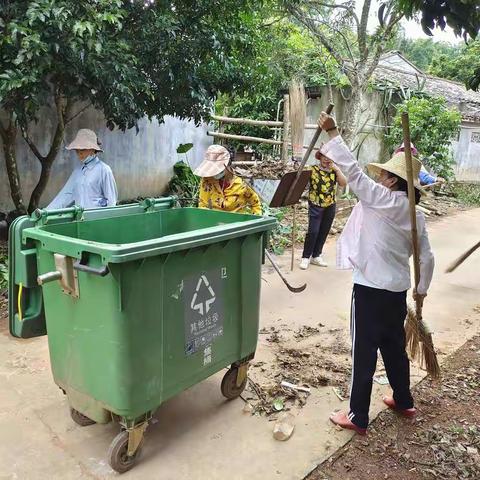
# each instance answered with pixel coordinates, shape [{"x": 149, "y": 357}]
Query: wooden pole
[
  {"x": 411, "y": 197},
  {"x": 247, "y": 121},
  {"x": 294, "y": 235},
  {"x": 305, "y": 157},
  {"x": 243, "y": 138},
  {"x": 286, "y": 123}
]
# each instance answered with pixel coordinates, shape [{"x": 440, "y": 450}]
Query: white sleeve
[
  {"x": 371, "y": 193},
  {"x": 427, "y": 260}
]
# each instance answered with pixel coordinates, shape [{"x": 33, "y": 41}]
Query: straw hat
[
  {"x": 398, "y": 166},
  {"x": 215, "y": 161},
  {"x": 85, "y": 140}
]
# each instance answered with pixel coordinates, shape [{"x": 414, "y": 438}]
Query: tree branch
[
  {"x": 3, "y": 131},
  {"x": 362, "y": 29},
  {"x": 309, "y": 23},
  {"x": 32, "y": 146},
  {"x": 68, "y": 120},
  {"x": 347, "y": 7}
]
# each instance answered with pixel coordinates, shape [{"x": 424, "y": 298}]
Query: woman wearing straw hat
[
  {"x": 91, "y": 184},
  {"x": 377, "y": 244},
  {"x": 221, "y": 189}
]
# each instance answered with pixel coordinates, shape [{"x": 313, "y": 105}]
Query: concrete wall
[
  {"x": 369, "y": 145},
  {"x": 467, "y": 153},
  {"x": 142, "y": 163}
]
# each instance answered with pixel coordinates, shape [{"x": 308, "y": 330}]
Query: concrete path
[{"x": 198, "y": 435}]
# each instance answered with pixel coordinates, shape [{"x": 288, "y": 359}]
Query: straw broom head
[
  {"x": 419, "y": 344},
  {"x": 297, "y": 116}
]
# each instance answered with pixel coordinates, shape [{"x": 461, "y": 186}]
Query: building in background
[{"x": 394, "y": 74}]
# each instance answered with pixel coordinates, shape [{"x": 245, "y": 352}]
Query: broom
[
  {"x": 418, "y": 336},
  {"x": 297, "y": 129}
]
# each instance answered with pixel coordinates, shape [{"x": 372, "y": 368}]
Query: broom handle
[
  {"x": 314, "y": 140},
  {"x": 411, "y": 201}
]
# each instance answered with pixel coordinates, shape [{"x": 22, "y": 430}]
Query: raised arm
[{"x": 368, "y": 191}]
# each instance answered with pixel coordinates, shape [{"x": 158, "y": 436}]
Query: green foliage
[
  {"x": 184, "y": 184},
  {"x": 3, "y": 269},
  {"x": 459, "y": 66},
  {"x": 128, "y": 58},
  {"x": 422, "y": 51},
  {"x": 432, "y": 128},
  {"x": 463, "y": 16},
  {"x": 284, "y": 51},
  {"x": 467, "y": 193}
]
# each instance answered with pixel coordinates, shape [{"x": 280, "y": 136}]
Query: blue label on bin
[{"x": 204, "y": 311}]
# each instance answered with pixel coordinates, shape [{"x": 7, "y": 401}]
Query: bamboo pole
[
  {"x": 243, "y": 138},
  {"x": 294, "y": 235},
  {"x": 247, "y": 121},
  {"x": 286, "y": 116}
]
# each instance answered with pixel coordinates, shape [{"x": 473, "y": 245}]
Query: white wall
[
  {"x": 142, "y": 163},
  {"x": 467, "y": 153}
]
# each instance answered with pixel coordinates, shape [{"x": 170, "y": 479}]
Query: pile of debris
[
  {"x": 267, "y": 169},
  {"x": 322, "y": 360}
]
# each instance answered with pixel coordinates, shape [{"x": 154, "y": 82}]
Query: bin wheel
[
  {"x": 80, "y": 418},
  {"x": 229, "y": 386},
  {"x": 118, "y": 457}
]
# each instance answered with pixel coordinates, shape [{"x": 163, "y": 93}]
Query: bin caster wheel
[
  {"x": 229, "y": 387},
  {"x": 81, "y": 419},
  {"x": 118, "y": 457}
]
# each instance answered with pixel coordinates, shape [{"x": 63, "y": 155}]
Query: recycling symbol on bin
[{"x": 203, "y": 305}]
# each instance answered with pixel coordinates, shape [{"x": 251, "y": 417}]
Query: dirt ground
[
  {"x": 303, "y": 340},
  {"x": 443, "y": 442}
]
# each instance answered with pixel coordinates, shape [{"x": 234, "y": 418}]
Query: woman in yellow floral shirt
[
  {"x": 221, "y": 189},
  {"x": 321, "y": 209}
]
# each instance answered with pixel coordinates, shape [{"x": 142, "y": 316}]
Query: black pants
[
  {"x": 377, "y": 322},
  {"x": 320, "y": 221}
]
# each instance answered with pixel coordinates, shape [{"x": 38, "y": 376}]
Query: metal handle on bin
[
  {"x": 81, "y": 267},
  {"x": 49, "y": 277}
]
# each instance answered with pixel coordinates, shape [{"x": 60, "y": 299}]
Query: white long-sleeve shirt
[
  {"x": 91, "y": 185},
  {"x": 376, "y": 241}
]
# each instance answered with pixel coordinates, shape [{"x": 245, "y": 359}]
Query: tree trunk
[
  {"x": 63, "y": 110},
  {"x": 352, "y": 115},
  {"x": 9, "y": 136}
]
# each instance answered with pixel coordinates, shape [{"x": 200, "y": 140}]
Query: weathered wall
[
  {"x": 371, "y": 147},
  {"x": 142, "y": 163},
  {"x": 467, "y": 153}
]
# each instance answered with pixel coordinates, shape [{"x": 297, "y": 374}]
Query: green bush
[{"x": 433, "y": 125}]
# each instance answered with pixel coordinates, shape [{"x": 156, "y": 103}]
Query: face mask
[
  {"x": 89, "y": 158},
  {"x": 220, "y": 175}
]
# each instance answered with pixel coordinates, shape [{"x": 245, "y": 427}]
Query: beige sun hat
[
  {"x": 85, "y": 140},
  {"x": 215, "y": 161},
  {"x": 398, "y": 166}
]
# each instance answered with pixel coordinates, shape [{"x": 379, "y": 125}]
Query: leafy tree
[
  {"x": 344, "y": 34},
  {"x": 463, "y": 16},
  {"x": 285, "y": 51},
  {"x": 125, "y": 58},
  {"x": 460, "y": 66},
  {"x": 432, "y": 128},
  {"x": 422, "y": 51}
]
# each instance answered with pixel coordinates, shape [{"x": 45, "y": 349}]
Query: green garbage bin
[{"x": 140, "y": 302}]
